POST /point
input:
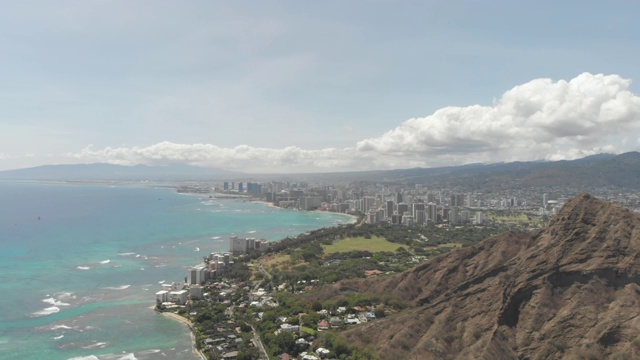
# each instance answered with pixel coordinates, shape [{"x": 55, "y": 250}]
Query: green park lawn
[{"x": 374, "y": 244}]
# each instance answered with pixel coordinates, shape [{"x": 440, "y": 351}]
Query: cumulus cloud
[
  {"x": 542, "y": 119},
  {"x": 241, "y": 157}
]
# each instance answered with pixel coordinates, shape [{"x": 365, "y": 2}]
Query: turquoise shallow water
[{"x": 80, "y": 264}]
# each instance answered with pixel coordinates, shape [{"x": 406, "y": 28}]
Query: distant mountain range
[
  {"x": 97, "y": 172},
  {"x": 598, "y": 170}
]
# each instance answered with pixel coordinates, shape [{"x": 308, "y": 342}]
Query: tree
[
  {"x": 285, "y": 341},
  {"x": 316, "y": 306}
]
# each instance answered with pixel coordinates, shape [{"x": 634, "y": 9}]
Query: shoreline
[
  {"x": 189, "y": 324},
  {"x": 271, "y": 205},
  {"x": 353, "y": 217},
  {"x": 268, "y": 204}
]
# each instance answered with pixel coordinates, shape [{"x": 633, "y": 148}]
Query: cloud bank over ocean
[{"x": 539, "y": 120}]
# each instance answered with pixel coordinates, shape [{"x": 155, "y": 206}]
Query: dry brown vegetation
[{"x": 567, "y": 291}]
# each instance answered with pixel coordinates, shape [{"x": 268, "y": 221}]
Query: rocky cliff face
[{"x": 569, "y": 291}]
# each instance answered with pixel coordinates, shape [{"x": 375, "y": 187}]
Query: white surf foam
[
  {"x": 83, "y": 267},
  {"x": 161, "y": 281},
  {"x": 197, "y": 249},
  {"x": 58, "y": 337},
  {"x": 127, "y": 254},
  {"x": 98, "y": 345},
  {"x": 251, "y": 232},
  {"x": 90, "y": 357},
  {"x": 105, "y": 261},
  {"x": 54, "y": 302},
  {"x": 65, "y": 295},
  {"x": 216, "y": 237},
  {"x": 128, "y": 357},
  {"x": 149, "y": 352},
  {"x": 47, "y": 311},
  {"x": 58, "y": 327},
  {"x": 118, "y": 287}
]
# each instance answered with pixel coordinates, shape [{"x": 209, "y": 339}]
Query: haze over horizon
[{"x": 285, "y": 86}]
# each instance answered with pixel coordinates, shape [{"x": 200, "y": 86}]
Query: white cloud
[
  {"x": 241, "y": 157},
  {"x": 541, "y": 119}
]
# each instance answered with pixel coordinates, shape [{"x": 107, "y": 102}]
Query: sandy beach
[
  {"x": 355, "y": 218},
  {"x": 190, "y": 325},
  {"x": 271, "y": 205}
]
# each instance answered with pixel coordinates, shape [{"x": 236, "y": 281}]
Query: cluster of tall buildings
[
  {"x": 238, "y": 245},
  {"x": 214, "y": 265},
  {"x": 418, "y": 212},
  {"x": 397, "y": 204},
  {"x": 252, "y": 187}
]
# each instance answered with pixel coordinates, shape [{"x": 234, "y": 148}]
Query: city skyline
[{"x": 283, "y": 86}]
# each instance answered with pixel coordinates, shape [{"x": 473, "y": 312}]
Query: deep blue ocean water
[{"x": 80, "y": 264}]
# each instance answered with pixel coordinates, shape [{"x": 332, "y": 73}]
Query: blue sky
[{"x": 277, "y": 86}]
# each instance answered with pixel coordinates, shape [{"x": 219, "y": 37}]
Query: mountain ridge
[
  {"x": 621, "y": 170},
  {"x": 103, "y": 171},
  {"x": 569, "y": 290}
]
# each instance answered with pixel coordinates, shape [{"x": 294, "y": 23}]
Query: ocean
[{"x": 80, "y": 264}]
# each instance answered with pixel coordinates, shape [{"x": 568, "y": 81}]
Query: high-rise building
[
  {"x": 197, "y": 275},
  {"x": 309, "y": 202},
  {"x": 432, "y": 212},
  {"x": 243, "y": 245},
  {"x": 372, "y": 217},
  {"x": 226, "y": 185},
  {"x": 456, "y": 200},
  {"x": 369, "y": 203},
  {"x": 417, "y": 207},
  {"x": 465, "y": 216},
  {"x": 389, "y": 209},
  {"x": 402, "y": 208},
  {"x": 454, "y": 216},
  {"x": 240, "y": 187},
  {"x": 254, "y": 188}
]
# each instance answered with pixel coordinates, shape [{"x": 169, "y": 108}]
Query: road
[
  {"x": 258, "y": 343},
  {"x": 262, "y": 270}
]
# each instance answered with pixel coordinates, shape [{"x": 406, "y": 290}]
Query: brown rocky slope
[{"x": 568, "y": 291}]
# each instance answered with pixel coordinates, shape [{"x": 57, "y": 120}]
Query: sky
[{"x": 316, "y": 86}]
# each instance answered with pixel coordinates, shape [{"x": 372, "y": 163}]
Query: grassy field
[
  {"x": 514, "y": 219},
  {"x": 308, "y": 330},
  {"x": 375, "y": 244},
  {"x": 274, "y": 261},
  {"x": 450, "y": 245}
]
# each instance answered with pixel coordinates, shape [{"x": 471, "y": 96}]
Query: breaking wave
[
  {"x": 118, "y": 287},
  {"x": 47, "y": 311}
]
